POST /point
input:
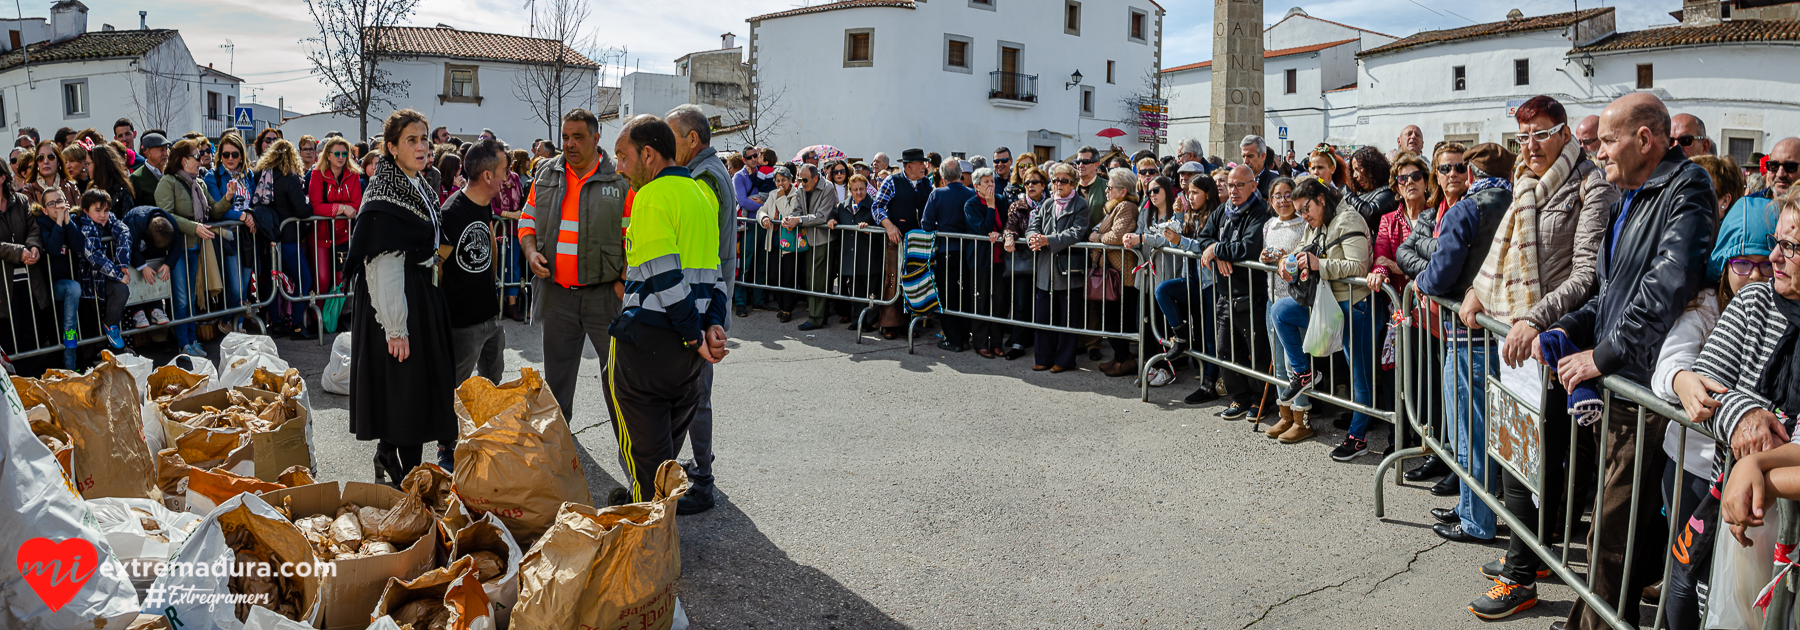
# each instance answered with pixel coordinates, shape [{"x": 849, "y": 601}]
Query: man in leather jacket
[{"x": 1650, "y": 265}]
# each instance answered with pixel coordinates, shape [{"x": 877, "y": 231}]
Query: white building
[
  {"x": 953, "y": 76},
  {"x": 219, "y": 98},
  {"x": 467, "y": 81},
  {"x": 1308, "y": 64},
  {"x": 716, "y": 80},
  {"x": 78, "y": 79}
]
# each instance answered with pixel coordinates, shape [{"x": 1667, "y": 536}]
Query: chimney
[
  {"x": 143, "y": 20},
  {"x": 728, "y": 40},
  {"x": 107, "y": 28},
  {"x": 68, "y": 20},
  {"x": 1515, "y": 15},
  {"x": 1700, "y": 12}
]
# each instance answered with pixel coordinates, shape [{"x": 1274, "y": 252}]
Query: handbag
[
  {"x": 1103, "y": 284},
  {"x": 793, "y": 241},
  {"x": 1306, "y": 281},
  {"x": 332, "y": 309}
]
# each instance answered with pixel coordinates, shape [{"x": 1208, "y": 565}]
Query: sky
[{"x": 271, "y": 58}]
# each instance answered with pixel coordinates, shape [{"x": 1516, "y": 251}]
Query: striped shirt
[{"x": 1740, "y": 350}]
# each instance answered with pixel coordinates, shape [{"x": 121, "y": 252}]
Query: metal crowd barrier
[
  {"x": 225, "y": 276},
  {"x": 763, "y": 265},
  {"x": 321, "y": 243},
  {"x": 1513, "y": 442},
  {"x": 1248, "y": 315}
]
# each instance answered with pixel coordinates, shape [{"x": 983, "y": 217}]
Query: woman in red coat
[{"x": 335, "y": 191}]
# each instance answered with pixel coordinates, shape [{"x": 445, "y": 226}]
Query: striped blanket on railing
[{"x": 916, "y": 278}]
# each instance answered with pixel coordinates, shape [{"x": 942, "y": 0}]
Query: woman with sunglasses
[
  {"x": 334, "y": 192},
  {"x": 183, "y": 195},
  {"x": 1412, "y": 180},
  {"x": 264, "y": 140},
  {"x": 1017, "y": 265},
  {"x": 44, "y": 171},
  {"x": 1061, "y": 221},
  {"x": 231, "y": 165},
  {"x": 1117, "y": 315},
  {"x": 1015, "y": 185}
]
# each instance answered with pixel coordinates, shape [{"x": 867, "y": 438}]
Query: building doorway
[{"x": 1044, "y": 153}]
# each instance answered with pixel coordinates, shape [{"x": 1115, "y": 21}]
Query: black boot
[
  {"x": 1431, "y": 467},
  {"x": 387, "y": 468}
]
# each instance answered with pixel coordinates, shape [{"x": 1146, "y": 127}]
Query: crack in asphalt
[
  {"x": 1408, "y": 567},
  {"x": 841, "y": 355},
  {"x": 1270, "y": 609}
]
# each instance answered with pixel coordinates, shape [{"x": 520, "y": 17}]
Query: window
[
  {"x": 1109, "y": 71},
  {"x": 1293, "y": 80},
  {"x": 212, "y": 105},
  {"x": 1739, "y": 148},
  {"x": 1646, "y": 76},
  {"x": 956, "y": 53},
  {"x": 859, "y": 47},
  {"x": 1072, "y": 17},
  {"x": 1087, "y": 100},
  {"x": 2, "y": 110},
  {"x": 1139, "y": 27},
  {"x": 1521, "y": 72},
  {"x": 982, "y": 4},
  {"x": 462, "y": 84},
  {"x": 231, "y": 104},
  {"x": 1459, "y": 79},
  {"x": 75, "y": 98}
]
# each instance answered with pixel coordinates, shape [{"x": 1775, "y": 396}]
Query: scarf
[
  {"x": 1585, "y": 405},
  {"x": 1508, "y": 284},
  {"x": 264, "y": 195},
  {"x": 196, "y": 195},
  {"x": 1486, "y": 183},
  {"x": 1781, "y": 380}
]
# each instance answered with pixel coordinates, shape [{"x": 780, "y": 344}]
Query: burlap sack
[
  {"x": 515, "y": 456},
  {"x": 450, "y": 596},
  {"x": 102, "y": 413},
  {"x": 608, "y": 569}
]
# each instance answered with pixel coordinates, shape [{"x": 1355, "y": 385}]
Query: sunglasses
[
  {"x": 1034, "y": 182},
  {"x": 1061, "y": 180},
  {"x": 1689, "y": 141},
  {"x": 1744, "y": 266},
  {"x": 340, "y": 154},
  {"x": 1156, "y": 191},
  {"x": 1086, "y": 162},
  {"x": 1791, "y": 167},
  {"x": 1459, "y": 168},
  {"x": 1279, "y": 196},
  {"x": 1540, "y": 136},
  {"x": 1788, "y": 248},
  {"x": 1415, "y": 176},
  {"x": 1002, "y": 160},
  {"x": 230, "y": 155}
]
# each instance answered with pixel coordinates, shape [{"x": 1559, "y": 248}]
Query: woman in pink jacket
[{"x": 335, "y": 190}]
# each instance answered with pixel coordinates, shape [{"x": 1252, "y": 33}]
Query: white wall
[
  {"x": 1306, "y": 113},
  {"x": 1728, "y": 87},
  {"x": 1301, "y": 30},
  {"x": 651, "y": 93},
  {"x": 907, "y": 98},
  {"x": 1413, "y": 87},
  {"x": 500, "y": 109},
  {"x": 31, "y": 31},
  {"x": 1190, "y": 100}
]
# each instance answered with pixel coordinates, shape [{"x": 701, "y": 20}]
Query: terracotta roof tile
[
  {"x": 833, "y": 6},
  {"x": 1733, "y": 31},
  {"x": 449, "y": 42},
  {"x": 90, "y": 45},
  {"x": 1270, "y": 54},
  {"x": 1490, "y": 29}
]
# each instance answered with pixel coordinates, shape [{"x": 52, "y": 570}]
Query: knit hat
[
  {"x": 1492, "y": 159},
  {"x": 1746, "y": 231}
]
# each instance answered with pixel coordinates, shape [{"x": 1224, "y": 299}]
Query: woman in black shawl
[{"x": 401, "y": 381}]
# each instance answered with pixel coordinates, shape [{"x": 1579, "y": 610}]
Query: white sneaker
[
  {"x": 1161, "y": 376},
  {"x": 139, "y": 321},
  {"x": 157, "y": 317}
]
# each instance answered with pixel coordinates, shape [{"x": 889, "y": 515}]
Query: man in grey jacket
[{"x": 693, "y": 147}]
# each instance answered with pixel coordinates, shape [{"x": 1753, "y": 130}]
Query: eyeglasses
[
  {"x": 1689, "y": 141},
  {"x": 309, "y": 149},
  {"x": 1061, "y": 180},
  {"x": 1034, "y": 182},
  {"x": 1279, "y": 196},
  {"x": 1237, "y": 185},
  {"x": 1744, "y": 266},
  {"x": 1788, "y": 248},
  {"x": 1459, "y": 168},
  {"x": 1791, "y": 167},
  {"x": 1540, "y": 136},
  {"x": 1415, "y": 176},
  {"x": 1002, "y": 160},
  {"x": 339, "y": 154}
]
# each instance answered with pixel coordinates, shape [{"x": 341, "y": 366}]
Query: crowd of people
[{"x": 1616, "y": 245}]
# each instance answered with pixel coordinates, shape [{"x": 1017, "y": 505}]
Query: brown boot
[
  {"x": 1280, "y": 427},
  {"x": 1301, "y": 430}
]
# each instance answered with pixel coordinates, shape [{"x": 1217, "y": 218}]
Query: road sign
[
  {"x": 244, "y": 119},
  {"x": 1157, "y": 109},
  {"x": 1283, "y": 133}
]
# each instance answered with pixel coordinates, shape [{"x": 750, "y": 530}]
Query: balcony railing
[{"x": 1013, "y": 86}]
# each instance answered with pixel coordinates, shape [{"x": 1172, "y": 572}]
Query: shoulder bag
[{"x": 1306, "y": 281}]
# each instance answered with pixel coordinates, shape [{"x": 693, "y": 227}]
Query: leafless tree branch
[
  {"x": 347, "y": 54},
  {"x": 555, "y": 87},
  {"x": 763, "y": 111},
  {"x": 159, "y": 91}
]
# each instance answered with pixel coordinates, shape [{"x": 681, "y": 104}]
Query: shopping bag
[
  {"x": 43, "y": 521},
  {"x": 793, "y": 241},
  {"x": 244, "y": 528},
  {"x": 515, "y": 456},
  {"x": 332, "y": 308},
  {"x": 1739, "y": 574},
  {"x": 607, "y": 569},
  {"x": 336, "y": 378},
  {"x": 1324, "y": 327},
  {"x": 1103, "y": 284},
  {"x": 240, "y": 355},
  {"x": 103, "y": 414}
]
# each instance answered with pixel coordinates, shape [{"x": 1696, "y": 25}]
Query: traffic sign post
[
  {"x": 245, "y": 120},
  {"x": 1283, "y": 134}
]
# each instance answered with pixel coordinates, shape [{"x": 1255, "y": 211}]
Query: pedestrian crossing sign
[{"x": 244, "y": 119}]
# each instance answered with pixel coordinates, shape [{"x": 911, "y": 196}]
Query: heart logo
[{"x": 57, "y": 570}]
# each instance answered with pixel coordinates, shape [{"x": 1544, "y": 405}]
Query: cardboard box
[
  {"x": 351, "y": 593},
  {"x": 274, "y": 451}
]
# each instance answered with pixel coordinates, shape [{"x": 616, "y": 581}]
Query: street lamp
[{"x": 1074, "y": 80}]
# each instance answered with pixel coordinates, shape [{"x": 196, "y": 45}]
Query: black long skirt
[{"x": 404, "y": 403}]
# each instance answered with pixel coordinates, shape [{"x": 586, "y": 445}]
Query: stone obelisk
[{"x": 1237, "y": 75}]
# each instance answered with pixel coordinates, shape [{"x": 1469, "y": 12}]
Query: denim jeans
[
  {"x": 1465, "y": 392},
  {"x": 1282, "y": 371},
  {"x": 181, "y": 290},
  {"x": 68, "y": 306},
  {"x": 1174, "y": 297},
  {"x": 1291, "y": 319}
]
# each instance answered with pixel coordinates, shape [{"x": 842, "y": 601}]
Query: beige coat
[
  {"x": 1121, "y": 218},
  {"x": 1571, "y": 228},
  {"x": 1350, "y": 258}
]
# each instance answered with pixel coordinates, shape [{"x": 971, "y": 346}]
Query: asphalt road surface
[{"x": 863, "y": 487}]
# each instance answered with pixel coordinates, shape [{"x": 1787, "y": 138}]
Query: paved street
[{"x": 863, "y": 487}]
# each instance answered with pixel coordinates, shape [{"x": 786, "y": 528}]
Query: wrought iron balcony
[{"x": 1020, "y": 89}]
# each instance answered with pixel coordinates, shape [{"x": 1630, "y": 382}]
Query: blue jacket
[
  {"x": 1467, "y": 232},
  {"x": 944, "y": 212},
  {"x": 138, "y": 220},
  {"x": 745, "y": 185},
  {"x": 216, "y": 180},
  {"x": 63, "y": 248}
]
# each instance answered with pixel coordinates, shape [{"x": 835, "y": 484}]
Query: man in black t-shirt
[{"x": 469, "y": 266}]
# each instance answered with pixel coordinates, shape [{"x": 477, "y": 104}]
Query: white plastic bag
[
  {"x": 502, "y": 593},
  {"x": 207, "y": 546},
  {"x": 43, "y": 518},
  {"x": 142, "y": 550},
  {"x": 245, "y": 353},
  {"x": 1739, "y": 574},
  {"x": 1325, "y": 326},
  {"x": 140, "y": 369},
  {"x": 238, "y": 344},
  {"x": 198, "y": 365},
  {"x": 336, "y": 378}
]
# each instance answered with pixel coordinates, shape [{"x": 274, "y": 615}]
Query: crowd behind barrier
[{"x": 1406, "y": 287}]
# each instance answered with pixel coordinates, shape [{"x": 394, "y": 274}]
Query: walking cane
[{"x": 1256, "y": 423}]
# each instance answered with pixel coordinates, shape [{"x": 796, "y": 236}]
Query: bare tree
[
  {"x": 349, "y": 50},
  {"x": 762, "y": 112},
  {"x": 565, "y": 77},
  {"x": 159, "y": 90},
  {"x": 1152, "y": 89}
]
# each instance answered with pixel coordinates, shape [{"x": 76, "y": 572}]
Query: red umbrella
[{"x": 1110, "y": 132}]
